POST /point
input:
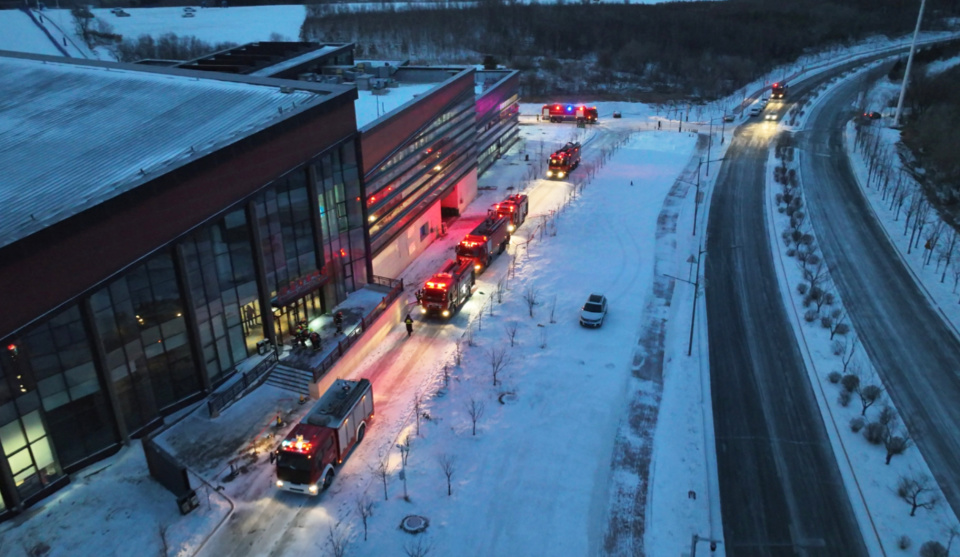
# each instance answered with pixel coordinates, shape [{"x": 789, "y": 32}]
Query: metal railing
[
  {"x": 396, "y": 287},
  {"x": 218, "y": 401}
]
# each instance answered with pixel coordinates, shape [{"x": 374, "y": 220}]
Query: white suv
[{"x": 593, "y": 312}]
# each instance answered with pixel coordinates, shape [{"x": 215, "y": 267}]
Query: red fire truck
[
  {"x": 308, "y": 457},
  {"x": 569, "y": 112},
  {"x": 514, "y": 207},
  {"x": 449, "y": 289},
  {"x": 778, "y": 91},
  {"x": 564, "y": 161},
  {"x": 488, "y": 239}
]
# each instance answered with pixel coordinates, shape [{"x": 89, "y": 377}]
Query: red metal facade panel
[
  {"x": 37, "y": 276},
  {"x": 384, "y": 138}
]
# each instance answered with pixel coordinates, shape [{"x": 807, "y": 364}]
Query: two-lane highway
[
  {"x": 780, "y": 488},
  {"x": 916, "y": 354}
]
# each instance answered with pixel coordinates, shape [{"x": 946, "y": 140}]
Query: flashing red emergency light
[
  {"x": 12, "y": 348},
  {"x": 343, "y": 252},
  {"x": 436, "y": 285},
  {"x": 557, "y": 107},
  {"x": 470, "y": 243}
]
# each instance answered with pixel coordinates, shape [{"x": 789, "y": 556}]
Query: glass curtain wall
[
  {"x": 218, "y": 260},
  {"x": 287, "y": 245},
  {"x": 53, "y": 410},
  {"x": 139, "y": 319},
  {"x": 339, "y": 199}
]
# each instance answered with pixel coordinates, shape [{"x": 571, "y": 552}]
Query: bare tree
[
  {"x": 511, "y": 330},
  {"x": 421, "y": 548},
  {"x": 82, "y": 20},
  {"x": 815, "y": 275},
  {"x": 543, "y": 337},
  {"x": 918, "y": 491},
  {"x": 846, "y": 349},
  {"x": 447, "y": 463},
  {"x": 458, "y": 352},
  {"x": 383, "y": 472},
  {"x": 338, "y": 540},
  {"x": 417, "y": 407},
  {"x": 475, "y": 409},
  {"x": 531, "y": 298},
  {"x": 869, "y": 394},
  {"x": 895, "y": 444},
  {"x": 498, "y": 360},
  {"x": 553, "y": 309},
  {"x": 365, "y": 510},
  {"x": 501, "y": 288}
]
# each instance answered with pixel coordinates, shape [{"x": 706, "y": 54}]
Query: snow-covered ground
[{"x": 18, "y": 33}]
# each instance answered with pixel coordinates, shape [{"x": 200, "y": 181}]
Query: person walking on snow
[
  {"x": 409, "y": 322},
  {"x": 338, "y": 319}
]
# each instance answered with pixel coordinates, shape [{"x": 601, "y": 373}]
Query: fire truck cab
[
  {"x": 445, "y": 292},
  {"x": 514, "y": 207},
  {"x": 564, "y": 161}
]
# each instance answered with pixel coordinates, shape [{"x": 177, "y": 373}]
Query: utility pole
[
  {"x": 906, "y": 72},
  {"x": 693, "y": 321}
]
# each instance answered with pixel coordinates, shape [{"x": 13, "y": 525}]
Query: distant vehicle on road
[
  {"x": 616, "y": 114},
  {"x": 770, "y": 116},
  {"x": 872, "y": 115},
  {"x": 594, "y": 311},
  {"x": 188, "y": 14},
  {"x": 121, "y": 13},
  {"x": 778, "y": 90},
  {"x": 569, "y": 112},
  {"x": 728, "y": 117},
  {"x": 756, "y": 110}
]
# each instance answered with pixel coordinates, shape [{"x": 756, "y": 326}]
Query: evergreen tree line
[{"x": 696, "y": 49}]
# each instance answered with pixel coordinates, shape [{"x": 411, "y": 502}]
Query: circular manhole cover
[
  {"x": 414, "y": 524},
  {"x": 508, "y": 398}
]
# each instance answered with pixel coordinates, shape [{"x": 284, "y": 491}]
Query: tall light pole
[
  {"x": 906, "y": 73},
  {"x": 696, "y": 293}
]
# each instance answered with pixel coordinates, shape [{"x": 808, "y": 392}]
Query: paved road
[
  {"x": 915, "y": 353},
  {"x": 780, "y": 489}
]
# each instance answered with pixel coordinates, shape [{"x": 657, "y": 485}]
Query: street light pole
[
  {"x": 696, "y": 201},
  {"x": 693, "y": 316},
  {"x": 906, "y": 72}
]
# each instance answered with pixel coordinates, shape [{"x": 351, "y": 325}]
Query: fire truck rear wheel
[
  {"x": 361, "y": 432},
  {"x": 327, "y": 480}
]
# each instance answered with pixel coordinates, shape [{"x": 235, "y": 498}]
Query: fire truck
[
  {"x": 488, "y": 239},
  {"x": 514, "y": 208},
  {"x": 779, "y": 90},
  {"x": 564, "y": 161},
  {"x": 308, "y": 457},
  {"x": 449, "y": 289},
  {"x": 569, "y": 113}
]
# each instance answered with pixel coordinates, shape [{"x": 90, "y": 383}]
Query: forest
[{"x": 696, "y": 50}]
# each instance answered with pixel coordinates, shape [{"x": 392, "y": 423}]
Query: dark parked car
[
  {"x": 616, "y": 114},
  {"x": 593, "y": 312},
  {"x": 872, "y": 115}
]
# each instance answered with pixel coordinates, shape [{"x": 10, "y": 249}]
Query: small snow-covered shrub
[
  {"x": 874, "y": 433},
  {"x": 850, "y": 382},
  {"x": 933, "y": 549},
  {"x": 856, "y": 424},
  {"x": 791, "y": 252},
  {"x": 841, "y": 329},
  {"x": 826, "y": 322},
  {"x": 810, "y": 315},
  {"x": 903, "y": 542},
  {"x": 844, "y": 398},
  {"x": 834, "y": 377},
  {"x": 802, "y": 288}
]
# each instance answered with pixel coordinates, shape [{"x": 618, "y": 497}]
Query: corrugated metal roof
[{"x": 73, "y": 136}]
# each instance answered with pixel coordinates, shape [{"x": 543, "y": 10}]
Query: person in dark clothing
[
  {"x": 409, "y": 322},
  {"x": 338, "y": 320}
]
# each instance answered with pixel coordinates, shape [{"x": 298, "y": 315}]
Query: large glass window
[
  {"x": 219, "y": 267},
  {"x": 51, "y": 369},
  {"x": 139, "y": 318},
  {"x": 29, "y": 453}
]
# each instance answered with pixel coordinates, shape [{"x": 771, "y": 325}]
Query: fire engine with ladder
[
  {"x": 308, "y": 457},
  {"x": 564, "y": 161},
  {"x": 514, "y": 207},
  {"x": 488, "y": 239},
  {"x": 445, "y": 292}
]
